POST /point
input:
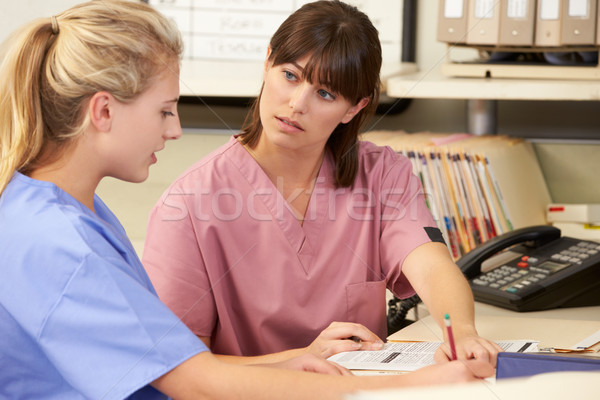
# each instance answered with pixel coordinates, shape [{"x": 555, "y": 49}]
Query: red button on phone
[{"x": 522, "y": 264}]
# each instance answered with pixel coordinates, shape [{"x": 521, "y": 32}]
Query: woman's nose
[
  {"x": 174, "y": 131},
  {"x": 299, "y": 99}
]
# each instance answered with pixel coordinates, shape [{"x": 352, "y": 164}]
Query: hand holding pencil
[{"x": 465, "y": 346}]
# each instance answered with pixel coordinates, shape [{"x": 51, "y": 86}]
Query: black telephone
[
  {"x": 534, "y": 269},
  {"x": 529, "y": 269}
]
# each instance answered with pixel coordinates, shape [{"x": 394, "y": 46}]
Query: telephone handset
[{"x": 533, "y": 269}]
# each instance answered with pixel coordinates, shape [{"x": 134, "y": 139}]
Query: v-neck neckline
[{"x": 303, "y": 238}]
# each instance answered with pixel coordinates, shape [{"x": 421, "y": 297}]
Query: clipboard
[{"x": 516, "y": 365}]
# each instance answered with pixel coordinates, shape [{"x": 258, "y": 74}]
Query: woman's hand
[
  {"x": 450, "y": 372},
  {"x": 344, "y": 336},
  {"x": 469, "y": 347}
]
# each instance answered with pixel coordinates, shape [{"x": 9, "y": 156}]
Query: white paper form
[
  {"x": 588, "y": 341},
  {"x": 410, "y": 356}
]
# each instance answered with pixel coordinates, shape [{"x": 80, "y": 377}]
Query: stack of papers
[{"x": 576, "y": 220}]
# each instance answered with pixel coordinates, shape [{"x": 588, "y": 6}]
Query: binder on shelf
[
  {"x": 517, "y": 22},
  {"x": 452, "y": 21},
  {"x": 578, "y": 22},
  {"x": 548, "y": 23},
  {"x": 597, "y": 25},
  {"x": 483, "y": 22},
  {"x": 473, "y": 185}
]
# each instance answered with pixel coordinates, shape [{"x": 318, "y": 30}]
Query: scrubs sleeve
[
  {"x": 404, "y": 217},
  {"x": 109, "y": 336},
  {"x": 175, "y": 263}
]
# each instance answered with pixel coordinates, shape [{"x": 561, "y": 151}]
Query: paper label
[
  {"x": 516, "y": 9},
  {"x": 549, "y": 9},
  {"x": 579, "y": 8},
  {"x": 484, "y": 9},
  {"x": 453, "y": 8}
]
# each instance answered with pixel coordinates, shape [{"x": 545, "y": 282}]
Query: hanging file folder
[{"x": 474, "y": 185}]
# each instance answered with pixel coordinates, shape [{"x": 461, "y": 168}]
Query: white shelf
[
  {"x": 244, "y": 79},
  {"x": 432, "y": 84}
]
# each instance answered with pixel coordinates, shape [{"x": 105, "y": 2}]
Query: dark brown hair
[{"x": 344, "y": 55}]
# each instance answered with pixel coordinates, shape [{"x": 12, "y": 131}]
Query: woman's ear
[
  {"x": 352, "y": 111},
  {"x": 267, "y": 61},
  {"x": 101, "y": 111}
]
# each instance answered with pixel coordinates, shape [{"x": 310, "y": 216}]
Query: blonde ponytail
[{"x": 21, "y": 128}]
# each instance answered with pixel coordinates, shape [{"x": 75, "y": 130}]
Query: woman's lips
[{"x": 288, "y": 125}]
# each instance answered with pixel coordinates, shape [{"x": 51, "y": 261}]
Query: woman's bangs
[{"x": 331, "y": 67}]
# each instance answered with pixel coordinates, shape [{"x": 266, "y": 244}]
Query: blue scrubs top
[{"x": 79, "y": 317}]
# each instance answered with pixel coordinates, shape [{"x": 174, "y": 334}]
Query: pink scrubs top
[{"x": 226, "y": 254}]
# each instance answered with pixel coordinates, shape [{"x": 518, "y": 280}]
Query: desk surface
[
  {"x": 573, "y": 313},
  {"x": 551, "y": 386},
  {"x": 562, "y": 327},
  {"x": 550, "y": 332}
]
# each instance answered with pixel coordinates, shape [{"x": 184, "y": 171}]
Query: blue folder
[{"x": 513, "y": 365}]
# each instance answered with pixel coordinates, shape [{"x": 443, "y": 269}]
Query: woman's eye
[
  {"x": 289, "y": 76},
  {"x": 168, "y": 114},
  {"x": 326, "y": 95}
]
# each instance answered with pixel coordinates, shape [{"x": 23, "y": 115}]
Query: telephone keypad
[
  {"x": 510, "y": 279},
  {"x": 528, "y": 270},
  {"x": 536, "y": 272}
]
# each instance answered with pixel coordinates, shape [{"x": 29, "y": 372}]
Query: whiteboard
[{"x": 226, "y": 40}]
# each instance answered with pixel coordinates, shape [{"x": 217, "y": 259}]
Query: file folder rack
[{"x": 473, "y": 185}]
